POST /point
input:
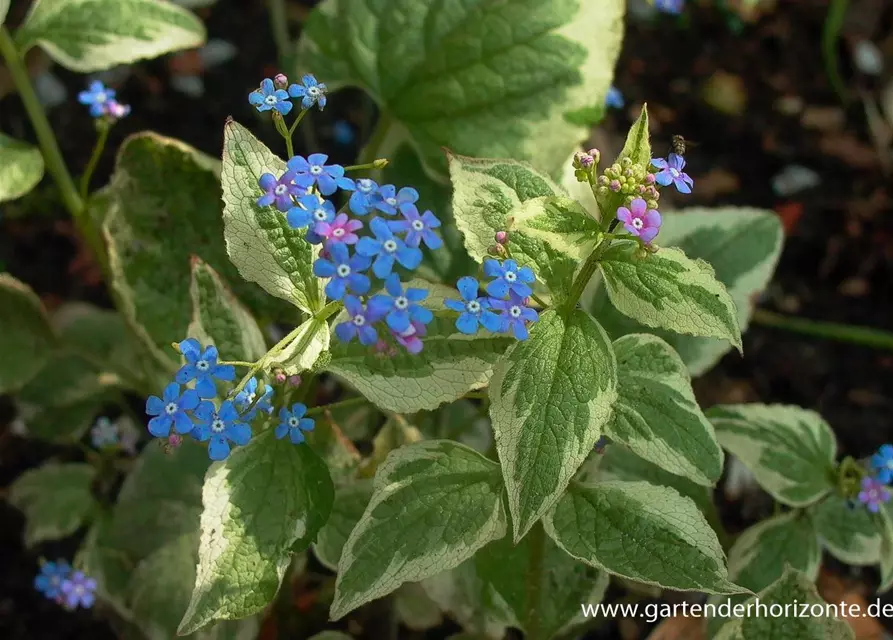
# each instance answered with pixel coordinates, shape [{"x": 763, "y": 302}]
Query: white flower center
[
  {"x": 359, "y": 320},
  {"x": 401, "y": 302},
  {"x": 316, "y": 169},
  {"x": 418, "y": 225},
  {"x": 281, "y": 189},
  {"x": 638, "y": 223},
  {"x": 171, "y": 408},
  {"x": 390, "y": 246},
  {"x": 343, "y": 270},
  {"x": 473, "y": 306},
  {"x": 271, "y": 99},
  {"x": 890, "y": 464},
  {"x": 202, "y": 365},
  {"x": 510, "y": 276},
  {"x": 391, "y": 201},
  {"x": 320, "y": 214},
  {"x": 101, "y": 96},
  {"x": 338, "y": 232},
  {"x": 218, "y": 425},
  {"x": 79, "y": 589},
  {"x": 293, "y": 422},
  {"x": 313, "y": 92},
  {"x": 364, "y": 185},
  {"x": 674, "y": 172},
  {"x": 515, "y": 312},
  {"x": 251, "y": 397}
]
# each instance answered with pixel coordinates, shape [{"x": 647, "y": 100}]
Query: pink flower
[
  {"x": 411, "y": 338},
  {"x": 873, "y": 494},
  {"x": 341, "y": 229},
  {"x": 639, "y": 220}
]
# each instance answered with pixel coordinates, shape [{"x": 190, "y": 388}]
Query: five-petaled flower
[
  {"x": 220, "y": 427},
  {"x": 202, "y": 367},
  {"x": 278, "y": 191},
  {"x": 342, "y": 229},
  {"x": 78, "y": 591},
  {"x": 390, "y": 200},
  {"x": 49, "y": 580},
  {"x": 400, "y": 308},
  {"x": 364, "y": 197},
  {"x": 386, "y": 248},
  {"x": 417, "y": 227},
  {"x": 247, "y": 396},
  {"x": 314, "y": 170},
  {"x": 515, "y": 314},
  {"x": 639, "y": 220},
  {"x": 293, "y": 423},
  {"x": 873, "y": 493},
  {"x": 345, "y": 271},
  {"x": 97, "y": 96},
  {"x": 104, "y": 433},
  {"x": 359, "y": 322},
  {"x": 614, "y": 99},
  {"x": 310, "y": 91},
  {"x": 170, "y": 411},
  {"x": 882, "y": 462},
  {"x": 312, "y": 210},
  {"x": 474, "y": 310},
  {"x": 508, "y": 278},
  {"x": 672, "y": 172},
  {"x": 268, "y": 97}
]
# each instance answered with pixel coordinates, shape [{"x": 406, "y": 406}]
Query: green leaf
[
  {"x": 550, "y": 397},
  {"x": 850, "y": 535},
  {"x": 656, "y": 414},
  {"x": 471, "y": 601},
  {"x": 220, "y": 319},
  {"x": 55, "y": 498},
  {"x": 259, "y": 240},
  {"x": 561, "y": 223},
  {"x": 637, "y": 149},
  {"x": 310, "y": 341},
  {"x": 451, "y": 73},
  {"x": 4, "y": 7},
  {"x": 640, "y": 531},
  {"x": 797, "y": 590},
  {"x": 415, "y": 609},
  {"x": 454, "y": 490},
  {"x": 350, "y": 503},
  {"x": 246, "y": 542},
  {"x": 486, "y": 193},
  {"x": 93, "y": 35},
  {"x": 65, "y": 424},
  {"x": 789, "y": 450},
  {"x": 884, "y": 520},
  {"x": 670, "y": 291},
  {"x": 21, "y": 165},
  {"x": 450, "y": 365},
  {"x": 565, "y": 583},
  {"x": 27, "y": 338}
]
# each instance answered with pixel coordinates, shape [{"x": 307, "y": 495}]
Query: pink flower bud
[
  {"x": 280, "y": 377},
  {"x": 281, "y": 80},
  {"x": 615, "y": 186},
  {"x": 649, "y": 178},
  {"x": 502, "y": 237},
  {"x": 294, "y": 381}
]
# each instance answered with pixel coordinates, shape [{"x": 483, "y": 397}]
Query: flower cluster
[
  {"x": 102, "y": 102},
  {"x": 58, "y": 582},
  {"x": 276, "y": 94},
  {"x": 874, "y": 490},
  {"x": 505, "y": 308}
]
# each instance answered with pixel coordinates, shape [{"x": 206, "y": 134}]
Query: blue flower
[
  {"x": 96, "y": 95},
  {"x": 390, "y": 200},
  {"x": 246, "y": 397},
  {"x": 312, "y": 210},
  {"x": 310, "y": 91},
  {"x": 614, "y": 99},
  {"x": 474, "y": 310},
  {"x": 78, "y": 591},
  {"x": 882, "y": 462},
  {"x": 314, "y": 170},
  {"x": 386, "y": 247},
  {"x": 672, "y": 173},
  {"x": 293, "y": 423},
  {"x": 269, "y": 97},
  {"x": 220, "y": 427},
  {"x": 104, "y": 433},
  {"x": 346, "y": 272},
  {"x": 365, "y": 196},
  {"x": 203, "y": 368},
  {"x": 670, "y": 6},
  {"x": 170, "y": 410},
  {"x": 400, "y": 308},
  {"x": 359, "y": 323},
  {"x": 508, "y": 278},
  {"x": 515, "y": 315},
  {"x": 343, "y": 133},
  {"x": 278, "y": 191},
  {"x": 418, "y": 228},
  {"x": 49, "y": 580}
]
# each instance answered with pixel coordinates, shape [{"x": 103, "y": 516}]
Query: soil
[{"x": 837, "y": 263}]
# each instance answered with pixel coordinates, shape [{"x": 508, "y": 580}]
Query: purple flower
[
  {"x": 882, "y": 462},
  {"x": 359, "y": 323},
  {"x": 515, "y": 315},
  {"x": 390, "y": 200},
  {"x": 400, "y": 308},
  {"x": 78, "y": 590},
  {"x": 386, "y": 248},
  {"x": 474, "y": 310},
  {"x": 411, "y": 339},
  {"x": 293, "y": 423},
  {"x": 508, "y": 278},
  {"x": 96, "y": 95},
  {"x": 278, "y": 191},
  {"x": 417, "y": 227},
  {"x": 170, "y": 410},
  {"x": 202, "y": 367},
  {"x": 614, "y": 99},
  {"x": 639, "y": 220},
  {"x": 346, "y": 272},
  {"x": 671, "y": 172},
  {"x": 310, "y": 91},
  {"x": 314, "y": 170},
  {"x": 873, "y": 494},
  {"x": 365, "y": 196},
  {"x": 312, "y": 210},
  {"x": 115, "y": 110},
  {"x": 670, "y": 6},
  {"x": 269, "y": 97},
  {"x": 49, "y": 580},
  {"x": 342, "y": 230},
  {"x": 220, "y": 427}
]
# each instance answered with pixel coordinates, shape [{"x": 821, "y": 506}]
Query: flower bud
[
  {"x": 502, "y": 237},
  {"x": 649, "y": 178},
  {"x": 603, "y": 191},
  {"x": 652, "y": 204},
  {"x": 596, "y": 155},
  {"x": 279, "y": 376},
  {"x": 281, "y": 81},
  {"x": 379, "y": 163},
  {"x": 603, "y": 181},
  {"x": 626, "y": 163},
  {"x": 628, "y": 172},
  {"x": 497, "y": 251},
  {"x": 615, "y": 185},
  {"x": 294, "y": 381},
  {"x": 583, "y": 160}
]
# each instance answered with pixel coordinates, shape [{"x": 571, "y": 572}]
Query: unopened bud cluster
[
  {"x": 631, "y": 180},
  {"x": 586, "y": 164}
]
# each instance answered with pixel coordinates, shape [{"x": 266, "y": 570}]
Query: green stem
[
  {"x": 535, "y": 581},
  {"x": 370, "y": 151},
  {"x": 865, "y": 336},
  {"x": 236, "y": 363},
  {"x": 378, "y": 163},
  {"x": 279, "y": 27},
  {"x": 294, "y": 125},
  {"x": 104, "y": 128},
  {"x": 586, "y": 273},
  {"x": 350, "y": 402}
]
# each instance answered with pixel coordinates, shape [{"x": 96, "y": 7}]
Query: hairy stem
[
  {"x": 103, "y": 135},
  {"x": 535, "y": 582},
  {"x": 865, "y": 336}
]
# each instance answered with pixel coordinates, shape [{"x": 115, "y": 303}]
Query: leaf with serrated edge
[
  {"x": 259, "y": 240},
  {"x": 219, "y": 318},
  {"x": 350, "y": 503},
  {"x": 550, "y": 397},
  {"x": 93, "y": 35},
  {"x": 55, "y": 498},
  {"x": 21, "y": 165},
  {"x": 849, "y": 534},
  {"x": 446, "y": 71},
  {"x": 27, "y": 337},
  {"x": 561, "y": 223},
  {"x": 671, "y": 291},
  {"x": 450, "y": 364},
  {"x": 790, "y": 450},
  {"x": 247, "y": 542},
  {"x": 453, "y": 489},
  {"x": 311, "y": 340},
  {"x": 643, "y": 532},
  {"x": 656, "y": 414}
]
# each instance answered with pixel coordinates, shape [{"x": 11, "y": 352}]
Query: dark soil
[{"x": 837, "y": 263}]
